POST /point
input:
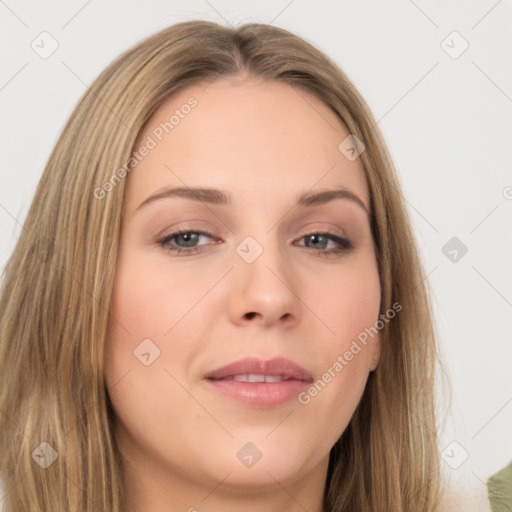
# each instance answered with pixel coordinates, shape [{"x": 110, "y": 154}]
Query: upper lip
[{"x": 280, "y": 366}]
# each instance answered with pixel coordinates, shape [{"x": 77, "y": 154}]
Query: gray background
[{"x": 446, "y": 118}]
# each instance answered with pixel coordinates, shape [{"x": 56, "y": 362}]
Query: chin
[{"x": 257, "y": 462}]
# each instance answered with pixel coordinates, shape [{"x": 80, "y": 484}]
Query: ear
[{"x": 375, "y": 357}]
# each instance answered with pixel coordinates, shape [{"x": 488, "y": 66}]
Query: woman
[{"x": 216, "y": 301}]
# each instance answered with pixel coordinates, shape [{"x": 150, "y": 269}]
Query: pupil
[
  {"x": 316, "y": 237},
  {"x": 190, "y": 237}
]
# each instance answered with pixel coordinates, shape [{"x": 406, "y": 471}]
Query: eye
[
  {"x": 187, "y": 237},
  {"x": 320, "y": 241},
  {"x": 186, "y": 242}
]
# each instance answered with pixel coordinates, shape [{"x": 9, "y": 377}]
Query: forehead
[{"x": 257, "y": 138}]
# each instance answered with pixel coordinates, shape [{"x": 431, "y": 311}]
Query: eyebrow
[{"x": 219, "y": 197}]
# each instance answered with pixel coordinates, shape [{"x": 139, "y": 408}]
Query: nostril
[{"x": 250, "y": 316}]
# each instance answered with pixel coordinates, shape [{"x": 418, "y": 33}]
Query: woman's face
[{"x": 264, "y": 287}]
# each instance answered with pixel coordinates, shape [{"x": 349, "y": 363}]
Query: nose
[{"x": 264, "y": 292}]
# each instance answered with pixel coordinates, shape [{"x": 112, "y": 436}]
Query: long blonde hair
[{"x": 58, "y": 283}]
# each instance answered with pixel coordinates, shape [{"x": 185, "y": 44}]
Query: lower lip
[{"x": 260, "y": 394}]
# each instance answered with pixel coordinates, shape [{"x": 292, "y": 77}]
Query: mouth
[{"x": 259, "y": 383}]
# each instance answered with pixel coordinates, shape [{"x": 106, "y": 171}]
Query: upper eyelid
[{"x": 311, "y": 227}]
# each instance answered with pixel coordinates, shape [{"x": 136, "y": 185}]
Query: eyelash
[{"x": 345, "y": 244}]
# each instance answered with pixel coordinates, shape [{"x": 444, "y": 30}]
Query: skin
[{"x": 263, "y": 143}]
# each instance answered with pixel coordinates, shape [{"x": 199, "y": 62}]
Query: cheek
[
  {"x": 150, "y": 300},
  {"x": 348, "y": 307},
  {"x": 346, "y": 301},
  {"x": 151, "y": 303},
  {"x": 146, "y": 305}
]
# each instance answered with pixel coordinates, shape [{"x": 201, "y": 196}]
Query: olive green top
[{"x": 500, "y": 490}]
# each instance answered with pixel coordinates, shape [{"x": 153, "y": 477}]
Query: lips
[
  {"x": 258, "y": 383},
  {"x": 257, "y": 370}
]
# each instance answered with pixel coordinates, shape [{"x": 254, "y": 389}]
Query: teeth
[
  {"x": 273, "y": 378},
  {"x": 257, "y": 378}
]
